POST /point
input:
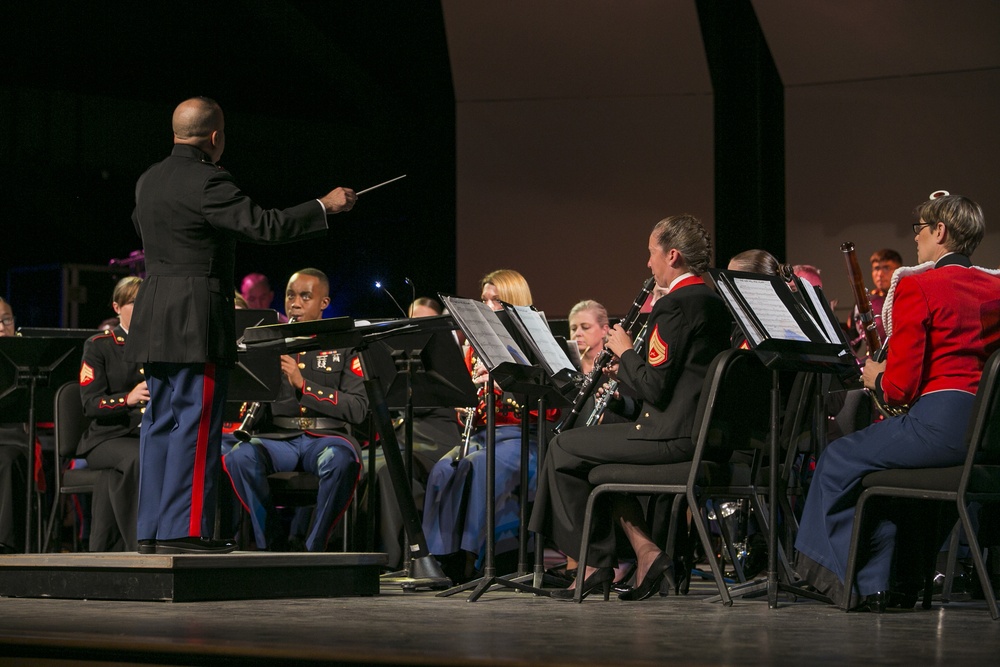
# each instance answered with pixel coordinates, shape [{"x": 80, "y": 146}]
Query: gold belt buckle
[{"x": 306, "y": 422}]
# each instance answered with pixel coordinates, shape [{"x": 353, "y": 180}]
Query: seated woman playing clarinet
[{"x": 688, "y": 327}]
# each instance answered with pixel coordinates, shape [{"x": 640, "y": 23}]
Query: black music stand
[
  {"x": 257, "y": 374},
  {"x": 424, "y": 369},
  {"x": 341, "y": 332},
  {"x": 510, "y": 367},
  {"x": 31, "y": 369},
  {"x": 789, "y": 332}
]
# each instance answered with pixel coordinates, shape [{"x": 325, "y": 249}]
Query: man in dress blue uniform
[
  {"x": 190, "y": 213},
  {"x": 942, "y": 319},
  {"x": 323, "y": 395}
]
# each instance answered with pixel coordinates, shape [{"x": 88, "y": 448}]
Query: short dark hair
[
  {"x": 886, "y": 255},
  {"x": 962, "y": 217},
  {"x": 315, "y": 273}
]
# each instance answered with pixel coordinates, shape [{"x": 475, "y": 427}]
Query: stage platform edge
[{"x": 241, "y": 575}]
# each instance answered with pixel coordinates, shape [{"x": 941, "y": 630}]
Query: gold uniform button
[
  {"x": 320, "y": 393},
  {"x": 301, "y": 365},
  {"x": 647, "y": 415},
  {"x": 638, "y": 427}
]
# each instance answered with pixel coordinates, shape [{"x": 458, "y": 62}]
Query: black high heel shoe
[
  {"x": 651, "y": 582},
  {"x": 601, "y": 578}
]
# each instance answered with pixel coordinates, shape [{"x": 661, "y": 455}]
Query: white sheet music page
[
  {"x": 770, "y": 309},
  {"x": 827, "y": 327},
  {"x": 492, "y": 341},
  {"x": 553, "y": 354},
  {"x": 749, "y": 328}
]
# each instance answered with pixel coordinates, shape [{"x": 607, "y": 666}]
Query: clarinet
[
  {"x": 591, "y": 380},
  {"x": 601, "y": 403}
]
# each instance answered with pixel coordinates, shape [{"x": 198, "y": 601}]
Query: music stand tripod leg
[{"x": 424, "y": 569}]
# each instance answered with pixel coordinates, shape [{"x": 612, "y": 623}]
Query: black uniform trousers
[
  {"x": 563, "y": 488},
  {"x": 116, "y": 495}
]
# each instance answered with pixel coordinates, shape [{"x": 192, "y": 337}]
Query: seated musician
[
  {"x": 304, "y": 429},
  {"x": 943, "y": 321},
  {"x": 13, "y": 464},
  {"x": 454, "y": 520},
  {"x": 588, "y": 327},
  {"x": 687, "y": 329},
  {"x": 114, "y": 394}
]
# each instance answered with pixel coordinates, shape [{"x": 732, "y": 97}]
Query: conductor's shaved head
[{"x": 199, "y": 122}]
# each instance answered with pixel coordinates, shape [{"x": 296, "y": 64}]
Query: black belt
[{"x": 307, "y": 423}]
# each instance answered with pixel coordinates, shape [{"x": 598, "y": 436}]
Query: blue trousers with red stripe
[
  {"x": 179, "y": 450},
  {"x": 332, "y": 458}
]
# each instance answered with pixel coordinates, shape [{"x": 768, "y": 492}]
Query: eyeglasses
[
  {"x": 7, "y": 321},
  {"x": 918, "y": 225}
]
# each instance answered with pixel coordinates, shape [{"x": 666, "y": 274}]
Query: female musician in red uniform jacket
[{"x": 944, "y": 324}]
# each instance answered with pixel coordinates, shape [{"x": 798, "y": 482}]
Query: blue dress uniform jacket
[
  {"x": 307, "y": 432},
  {"x": 190, "y": 214}
]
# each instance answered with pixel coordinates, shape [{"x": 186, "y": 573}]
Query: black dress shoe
[
  {"x": 147, "y": 546},
  {"x": 651, "y": 582},
  {"x": 194, "y": 545},
  {"x": 602, "y": 578},
  {"x": 875, "y": 603}
]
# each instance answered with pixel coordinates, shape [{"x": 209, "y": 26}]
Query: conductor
[{"x": 189, "y": 213}]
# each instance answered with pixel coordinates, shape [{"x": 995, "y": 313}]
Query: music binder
[
  {"x": 799, "y": 326},
  {"x": 548, "y": 352},
  {"x": 499, "y": 351}
]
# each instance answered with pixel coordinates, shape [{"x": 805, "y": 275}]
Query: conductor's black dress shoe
[
  {"x": 147, "y": 546},
  {"x": 194, "y": 545}
]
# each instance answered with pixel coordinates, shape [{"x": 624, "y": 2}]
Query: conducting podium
[
  {"x": 342, "y": 332},
  {"x": 790, "y": 328}
]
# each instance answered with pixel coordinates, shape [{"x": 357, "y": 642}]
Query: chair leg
[
  {"x": 706, "y": 544},
  {"x": 581, "y": 568},
  {"x": 852, "y": 559},
  {"x": 949, "y": 571},
  {"x": 977, "y": 559}
]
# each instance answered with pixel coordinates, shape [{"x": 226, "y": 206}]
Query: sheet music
[
  {"x": 553, "y": 354},
  {"x": 492, "y": 341},
  {"x": 827, "y": 328},
  {"x": 770, "y": 309},
  {"x": 746, "y": 324}
]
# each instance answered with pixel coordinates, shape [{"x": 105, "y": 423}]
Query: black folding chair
[
  {"x": 978, "y": 479},
  {"x": 732, "y": 412}
]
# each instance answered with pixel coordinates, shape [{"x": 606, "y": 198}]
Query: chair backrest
[
  {"x": 70, "y": 422},
  {"x": 734, "y": 408},
  {"x": 983, "y": 435}
]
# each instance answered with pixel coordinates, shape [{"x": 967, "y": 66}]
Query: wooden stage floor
[{"x": 502, "y": 628}]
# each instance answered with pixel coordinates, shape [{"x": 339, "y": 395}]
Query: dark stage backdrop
[{"x": 316, "y": 94}]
